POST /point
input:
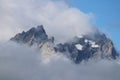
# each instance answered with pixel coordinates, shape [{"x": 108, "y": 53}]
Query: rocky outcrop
[
  {"x": 78, "y": 49},
  {"x": 32, "y": 36}
]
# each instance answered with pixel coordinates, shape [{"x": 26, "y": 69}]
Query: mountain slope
[{"x": 77, "y": 49}]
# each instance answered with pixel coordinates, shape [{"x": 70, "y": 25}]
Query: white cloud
[
  {"x": 60, "y": 20},
  {"x": 22, "y": 63}
]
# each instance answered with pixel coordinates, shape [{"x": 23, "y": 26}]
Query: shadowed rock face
[
  {"x": 78, "y": 49},
  {"x": 34, "y": 35},
  {"x": 101, "y": 48}
]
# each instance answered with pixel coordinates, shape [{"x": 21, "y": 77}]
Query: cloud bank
[
  {"x": 60, "y": 20},
  {"x": 23, "y": 63}
]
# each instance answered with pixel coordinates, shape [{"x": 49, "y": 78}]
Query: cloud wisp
[
  {"x": 60, "y": 20},
  {"x": 23, "y": 63}
]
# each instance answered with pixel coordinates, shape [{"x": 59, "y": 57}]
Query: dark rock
[
  {"x": 34, "y": 35},
  {"x": 98, "y": 46}
]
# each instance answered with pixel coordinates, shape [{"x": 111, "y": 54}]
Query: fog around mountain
[{"x": 24, "y": 63}]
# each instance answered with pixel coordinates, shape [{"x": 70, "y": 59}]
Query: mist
[
  {"x": 59, "y": 19},
  {"x": 20, "y": 62}
]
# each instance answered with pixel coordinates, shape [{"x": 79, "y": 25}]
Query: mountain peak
[
  {"x": 33, "y": 35},
  {"x": 80, "y": 48},
  {"x": 40, "y": 27}
]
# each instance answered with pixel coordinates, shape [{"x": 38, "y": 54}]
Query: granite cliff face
[
  {"x": 85, "y": 49},
  {"x": 77, "y": 49},
  {"x": 34, "y": 35}
]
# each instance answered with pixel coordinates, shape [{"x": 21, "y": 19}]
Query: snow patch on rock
[
  {"x": 79, "y": 46},
  {"x": 95, "y": 46}
]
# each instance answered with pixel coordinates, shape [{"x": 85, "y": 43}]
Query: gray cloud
[
  {"x": 18, "y": 62},
  {"x": 60, "y": 20}
]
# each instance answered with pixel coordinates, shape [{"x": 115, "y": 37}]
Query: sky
[{"x": 106, "y": 14}]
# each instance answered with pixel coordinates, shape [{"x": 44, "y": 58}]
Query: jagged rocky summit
[{"x": 78, "y": 49}]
